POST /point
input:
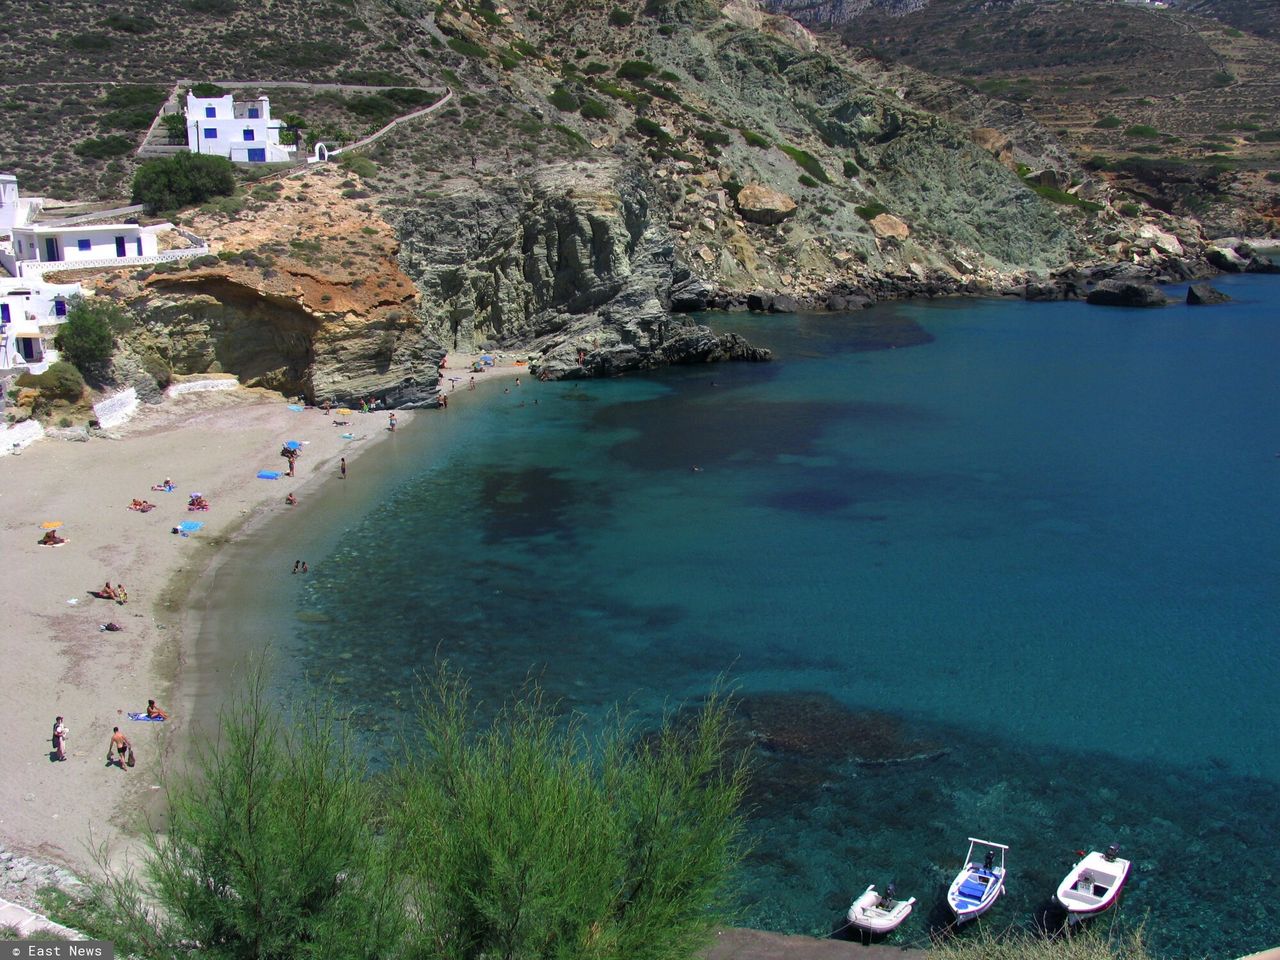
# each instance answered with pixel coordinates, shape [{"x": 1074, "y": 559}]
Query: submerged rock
[
  {"x": 1126, "y": 293},
  {"x": 1199, "y": 294}
]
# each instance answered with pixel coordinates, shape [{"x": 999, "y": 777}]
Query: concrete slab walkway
[{"x": 30, "y": 924}]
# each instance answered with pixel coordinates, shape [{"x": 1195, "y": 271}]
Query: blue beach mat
[
  {"x": 190, "y": 526},
  {"x": 145, "y": 719},
  {"x": 268, "y": 474},
  {"x": 295, "y": 408}
]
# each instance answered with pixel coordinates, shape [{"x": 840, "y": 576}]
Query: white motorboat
[
  {"x": 978, "y": 884},
  {"x": 1093, "y": 885},
  {"x": 876, "y": 913}
]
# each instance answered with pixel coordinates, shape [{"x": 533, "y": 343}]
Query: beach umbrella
[
  {"x": 345, "y": 411},
  {"x": 51, "y": 525}
]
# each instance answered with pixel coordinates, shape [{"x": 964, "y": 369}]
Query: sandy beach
[{"x": 58, "y": 660}]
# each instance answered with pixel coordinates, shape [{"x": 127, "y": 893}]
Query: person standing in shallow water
[{"x": 342, "y": 468}]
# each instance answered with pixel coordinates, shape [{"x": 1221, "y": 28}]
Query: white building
[
  {"x": 30, "y": 312},
  {"x": 15, "y": 210},
  {"x": 79, "y": 243},
  {"x": 240, "y": 130}
]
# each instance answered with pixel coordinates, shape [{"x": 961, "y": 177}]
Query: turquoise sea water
[{"x": 1034, "y": 557}]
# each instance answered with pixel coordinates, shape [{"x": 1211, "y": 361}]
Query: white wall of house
[
  {"x": 240, "y": 130},
  {"x": 97, "y": 242},
  {"x": 15, "y": 211},
  {"x": 29, "y": 313}
]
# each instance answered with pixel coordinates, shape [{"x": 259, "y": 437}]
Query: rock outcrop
[
  {"x": 1232, "y": 255},
  {"x": 1201, "y": 294},
  {"x": 761, "y": 204},
  {"x": 1125, "y": 293},
  {"x": 569, "y": 264}
]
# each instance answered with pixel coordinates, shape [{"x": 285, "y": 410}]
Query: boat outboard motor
[
  {"x": 1113, "y": 851},
  {"x": 886, "y": 899},
  {"x": 989, "y": 861}
]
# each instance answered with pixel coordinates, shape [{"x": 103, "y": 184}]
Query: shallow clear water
[{"x": 1038, "y": 554}]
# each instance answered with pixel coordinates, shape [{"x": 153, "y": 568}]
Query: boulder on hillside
[
  {"x": 995, "y": 143},
  {"x": 887, "y": 226},
  {"x": 1201, "y": 294},
  {"x": 1233, "y": 255},
  {"x": 840, "y": 303},
  {"x": 782, "y": 303},
  {"x": 689, "y": 292},
  {"x": 759, "y": 302},
  {"x": 761, "y": 204},
  {"x": 1126, "y": 293},
  {"x": 1157, "y": 239}
]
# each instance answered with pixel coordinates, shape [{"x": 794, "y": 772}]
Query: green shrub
[
  {"x": 711, "y": 137},
  {"x": 806, "y": 162},
  {"x": 129, "y": 24},
  {"x": 807, "y": 181},
  {"x": 1054, "y": 195},
  {"x": 1085, "y": 944},
  {"x": 573, "y": 136},
  {"x": 563, "y": 100},
  {"x": 169, "y": 183},
  {"x": 617, "y": 92},
  {"x": 595, "y": 67},
  {"x": 524, "y": 838},
  {"x": 654, "y": 131},
  {"x": 1129, "y": 209},
  {"x": 871, "y": 210},
  {"x": 175, "y": 127},
  {"x": 1109, "y": 122},
  {"x": 467, "y": 48},
  {"x": 850, "y": 169},
  {"x": 1273, "y": 176},
  {"x": 91, "y": 42},
  {"x": 213, "y": 8},
  {"x": 754, "y": 139},
  {"x": 636, "y": 70},
  {"x": 620, "y": 18},
  {"x": 1142, "y": 130},
  {"x": 88, "y": 335},
  {"x": 207, "y": 90},
  {"x": 666, "y": 76},
  {"x": 358, "y": 164},
  {"x": 1266, "y": 136},
  {"x": 593, "y": 109},
  {"x": 1223, "y": 78},
  {"x": 100, "y": 148},
  {"x": 61, "y": 381}
]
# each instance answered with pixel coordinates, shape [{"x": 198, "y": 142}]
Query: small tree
[
  {"x": 175, "y": 126},
  {"x": 179, "y": 181},
  {"x": 88, "y": 335}
]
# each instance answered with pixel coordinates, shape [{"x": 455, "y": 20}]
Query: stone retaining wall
[
  {"x": 200, "y": 386},
  {"x": 116, "y": 409}
]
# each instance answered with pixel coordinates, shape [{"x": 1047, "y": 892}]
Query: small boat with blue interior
[
  {"x": 979, "y": 883},
  {"x": 1093, "y": 884},
  {"x": 879, "y": 913}
]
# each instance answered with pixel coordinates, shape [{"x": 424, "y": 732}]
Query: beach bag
[{"x": 130, "y": 760}]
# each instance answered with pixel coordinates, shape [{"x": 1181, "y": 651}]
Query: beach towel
[
  {"x": 268, "y": 474},
  {"x": 348, "y": 436},
  {"x": 190, "y": 526},
  {"x": 145, "y": 719},
  {"x": 295, "y": 408},
  {"x": 292, "y": 445}
]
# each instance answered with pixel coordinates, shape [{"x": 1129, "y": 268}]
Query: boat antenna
[{"x": 1113, "y": 851}]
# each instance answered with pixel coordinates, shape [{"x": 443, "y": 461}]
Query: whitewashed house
[
  {"x": 86, "y": 242},
  {"x": 240, "y": 130},
  {"x": 30, "y": 312},
  {"x": 15, "y": 210}
]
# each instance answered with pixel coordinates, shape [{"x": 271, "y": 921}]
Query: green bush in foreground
[
  {"x": 61, "y": 381},
  {"x": 88, "y": 335},
  {"x": 526, "y": 838},
  {"x": 1089, "y": 944}
]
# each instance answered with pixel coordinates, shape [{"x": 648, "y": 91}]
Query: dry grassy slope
[
  {"x": 61, "y": 68},
  {"x": 1206, "y": 90}
]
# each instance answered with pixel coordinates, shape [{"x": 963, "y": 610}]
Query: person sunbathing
[
  {"x": 51, "y": 539},
  {"x": 106, "y": 593},
  {"x": 154, "y": 711}
]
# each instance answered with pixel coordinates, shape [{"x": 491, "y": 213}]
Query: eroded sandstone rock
[{"x": 761, "y": 204}]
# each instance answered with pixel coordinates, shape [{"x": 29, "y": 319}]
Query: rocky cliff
[{"x": 571, "y": 264}]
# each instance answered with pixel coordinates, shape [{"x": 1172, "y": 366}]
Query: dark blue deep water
[{"x": 976, "y": 568}]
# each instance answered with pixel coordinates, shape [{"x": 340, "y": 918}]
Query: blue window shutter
[
  {"x": 211, "y": 133},
  {"x": 4, "y": 313},
  {"x": 84, "y": 244},
  {"x": 210, "y": 112},
  {"x": 253, "y": 113},
  {"x": 248, "y": 135},
  {"x": 139, "y": 246},
  {"x": 60, "y": 308}
]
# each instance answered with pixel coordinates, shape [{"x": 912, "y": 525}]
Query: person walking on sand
[
  {"x": 391, "y": 422},
  {"x": 342, "y": 468},
  {"x": 59, "y": 739},
  {"x": 120, "y": 746}
]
